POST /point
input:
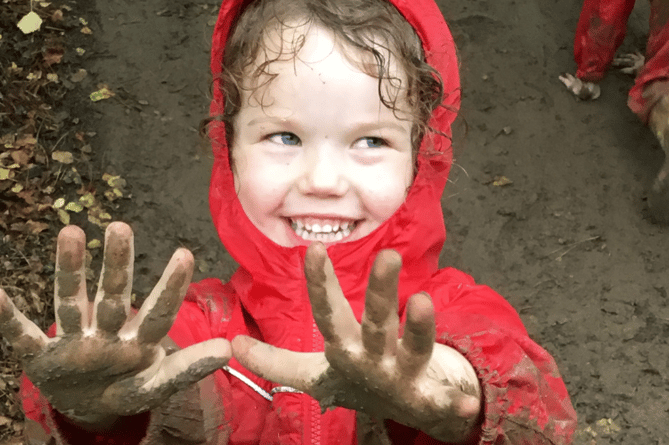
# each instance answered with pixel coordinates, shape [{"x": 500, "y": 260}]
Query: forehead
[{"x": 309, "y": 42}]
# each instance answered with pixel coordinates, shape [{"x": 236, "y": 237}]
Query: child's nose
[{"x": 324, "y": 174}]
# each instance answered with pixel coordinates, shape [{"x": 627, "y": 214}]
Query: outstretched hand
[
  {"x": 104, "y": 362},
  {"x": 630, "y": 63},
  {"x": 367, "y": 367},
  {"x": 579, "y": 88}
]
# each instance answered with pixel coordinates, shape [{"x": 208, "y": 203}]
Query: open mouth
[{"x": 326, "y": 231}]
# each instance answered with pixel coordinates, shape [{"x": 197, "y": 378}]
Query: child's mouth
[{"x": 324, "y": 231}]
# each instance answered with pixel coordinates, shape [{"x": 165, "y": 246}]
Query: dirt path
[{"x": 567, "y": 242}]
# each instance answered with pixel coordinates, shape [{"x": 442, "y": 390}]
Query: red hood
[{"x": 416, "y": 230}]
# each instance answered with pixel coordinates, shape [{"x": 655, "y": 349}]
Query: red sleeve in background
[
  {"x": 653, "y": 81},
  {"x": 601, "y": 30}
]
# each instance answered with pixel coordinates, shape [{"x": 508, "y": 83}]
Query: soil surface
[{"x": 546, "y": 202}]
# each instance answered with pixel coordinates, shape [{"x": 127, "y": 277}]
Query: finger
[
  {"x": 24, "y": 336},
  {"x": 299, "y": 370},
  {"x": 157, "y": 314},
  {"x": 112, "y": 301},
  {"x": 70, "y": 299},
  {"x": 331, "y": 310},
  {"x": 174, "y": 373},
  {"x": 418, "y": 339},
  {"x": 380, "y": 322}
]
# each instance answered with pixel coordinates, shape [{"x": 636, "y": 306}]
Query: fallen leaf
[
  {"x": 52, "y": 77},
  {"x": 37, "y": 226},
  {"x": 30, "y": 22},
  {"x": 103, "y": 93},
  {"x": 53, "y": 55},
  {"x": 25, "y": 141},
  {"x": 88, "y": 200},
  {"x": 64, "y": 157},
  {"x": 80, "y": 51},
  {"x": 86, "y": 30},
  {"x": 57, "y": 15},
  {"x": 34, "y": 76},
  {"x": 63, "y": 216},
  {"x": 83, "y": 21},
  {"x": 94, "y": 244},
  {"x": 5, "y": 174},
  {"x": 74, "y": 207},
  {"x": 501, "y": 181},
  {"x": 21, "y": 157},
  {"x": 58, "y": 203},
  {"x": 17, "y": 188},
  {"x": 5, "y": 420},
  {"x": 78, "y": 77},
  {"x": 113, "y": 181}
]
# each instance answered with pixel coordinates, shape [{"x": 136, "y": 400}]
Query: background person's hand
[
  {"x": 367, "y": 367},
  {"x": 630, "y": 63},
  {"x": 577, "y": 87},
  {"x": 103, "y": 362}
]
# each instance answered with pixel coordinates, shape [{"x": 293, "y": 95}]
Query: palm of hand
[
  {"x": 365, "y": 366},
  {"x": 104, "y": 361}
]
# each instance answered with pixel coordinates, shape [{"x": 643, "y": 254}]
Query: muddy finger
[
  {"x": 176, "y": 372},
  {"x": 112, "y": 302},
  {"x": 160, "y": 308},
  {"x": 331, "y": 310},
  {"x": 380, "y": 322},
  {"x": 25, "y": 337},
  {"x": 298, "y": 370},
  {"x": 70, "y": 300},
  {"x": 419, "y": 334}
]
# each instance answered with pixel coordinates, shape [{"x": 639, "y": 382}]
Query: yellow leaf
[
  {"x": 5, "y": 173},
  {"x": 52, "y": 77},
  {"x": 74, "y": 207},
  {"x": 501, "y": 181},
  {"x": 30, "y": 22},
  {"x": 94, "y": 244},
  {"x": 17, "y": 188},
  {"x": 64, "y": 216},
  {"x": 80, "y": 51},
  {"x": 64, "y": 157},
  {"x": 86, "y": 30},
  {"x": 101, "y": 94},
  {"x": 87, "y": 200},
  {"x": 83, "y": 21},
  {"x": 113, "y": 181},
  {"x": 60, "y": 202}
]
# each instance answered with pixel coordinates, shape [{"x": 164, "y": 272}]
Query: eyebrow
[{"x": 371, "y": 126}]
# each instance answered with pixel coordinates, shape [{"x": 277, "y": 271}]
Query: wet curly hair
[{"x": 372, "y": 27}]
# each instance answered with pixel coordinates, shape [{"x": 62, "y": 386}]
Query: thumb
[
  {"x": 295, "y": 369},
  {"x": 174, "y": 373}
]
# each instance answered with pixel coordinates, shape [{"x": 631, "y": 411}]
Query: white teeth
[{"x": 326, "y": 233}]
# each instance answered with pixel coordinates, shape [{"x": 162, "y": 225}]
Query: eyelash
[{"x": 376, "y": 141}]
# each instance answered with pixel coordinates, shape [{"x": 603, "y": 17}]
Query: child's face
[{"x": 322, "y": 159}]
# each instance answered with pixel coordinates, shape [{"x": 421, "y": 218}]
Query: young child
[
  {"x": 601, "y": 30},
  {"x": 331, "y": 154}
]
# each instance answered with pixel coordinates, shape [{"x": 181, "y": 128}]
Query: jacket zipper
[{"x": 317, "y": 345}]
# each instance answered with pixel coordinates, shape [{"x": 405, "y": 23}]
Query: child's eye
[
  {"x": 371, "y": 142},
  {"x": 284, "y": 138}
]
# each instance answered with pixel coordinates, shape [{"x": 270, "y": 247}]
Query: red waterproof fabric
[
  {"x": 600, "y": 32},
  {"x": 525, "y": 400}
]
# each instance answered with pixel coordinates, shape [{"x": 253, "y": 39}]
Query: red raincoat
[
  {"x": 601, "y": 30},
  {"x": 524, "y": 398}
]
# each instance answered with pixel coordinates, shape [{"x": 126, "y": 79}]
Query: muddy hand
[
  {"x": 103, "y": 362},
  {"x": 577, "y": 87},
  {"x": 366, "y": 366},
  {"x": 631, "y": 63}
]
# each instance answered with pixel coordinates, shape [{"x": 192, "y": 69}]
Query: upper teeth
[{"x": 305, "y": 229}]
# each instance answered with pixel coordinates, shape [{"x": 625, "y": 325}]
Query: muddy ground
[{"x": 567, "y": 241}]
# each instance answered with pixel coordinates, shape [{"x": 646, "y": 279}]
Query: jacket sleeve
[
  {"x": 194, "y": 416},
  {"x": 600, "y": 31},
  {"x": 525, "y": 400}
]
